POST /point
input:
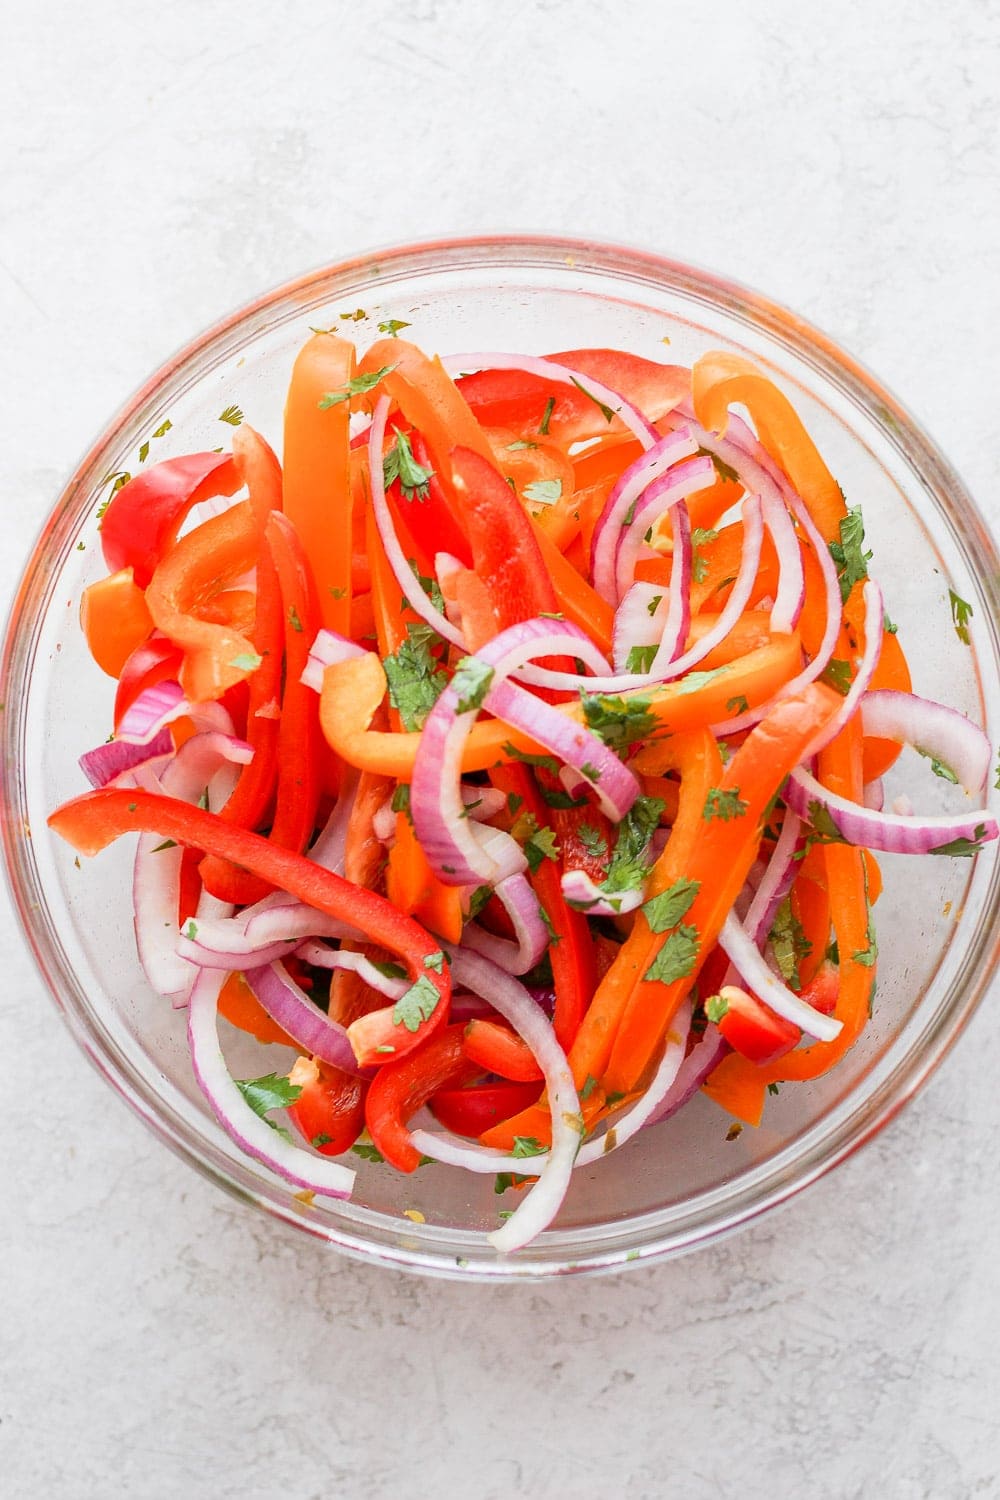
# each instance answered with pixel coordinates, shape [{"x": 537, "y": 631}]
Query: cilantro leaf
[
  {"x": 232, "y": 415},
  {"x": 415, "y": 678},
  {"x": 848, "y": 554},
  {"x": 589, "y": 1085},
  {"x": 694, "y": 681},
  {"x": 471, "y": 683},
  {"x": 630, "y": 862},
  {"x": 367, "y": 1151},
  {"x": 538, "y": 843},
  {"x": 481, "y": 896},
  {"x": 823, "y": 824},
  {"x": 641, "y": 658},
  {"x": 270, "y": 1092},
  {"x": 938, "y": 766},
  {"x": 699, "y": 562},
  {"x": 293, "y": 619},
  {"x": 527, "y": 1145},
  {"x": 837, "y": 674},
  {"x": 789, "y": 944},
  {"x": 401, "y": 798},
  {"x": 543, "y": 426},
  {"x": 545, "y": 762},
  {"x": 654, "y": 604},
  {"x": 716, "y": 1007},
  {"x": 358, "y": 386},
  {"x": 247, "y": 661},
  {"x": 434, "y": 961},
  {"x": 963, "y": 848},
  {"x": 602, "y": 407},
  {"x": 391, "y": 326},
  {"x": 721, "y": 467},
  {"x": 961, "y": 614},
  {"x": 400, "y": 464},
  {"x": 724, "y": 804},
  {"x": 505, "y": 1180},
  {"x": 418, "y": 1004},
  {"x": 677, "y": 958},
  {"x": 619, "y": 722},
  {"x": 592, "y": 840},
  {"x": 737, "y": 705},
  {"x": 544, "y": 491},
  {"x": 666, "y": 909}
]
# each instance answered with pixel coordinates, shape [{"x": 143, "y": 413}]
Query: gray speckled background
[{"x": 162, "y": 164}]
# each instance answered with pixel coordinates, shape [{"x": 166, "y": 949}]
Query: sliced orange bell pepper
[{"x": 115, "y": 620}]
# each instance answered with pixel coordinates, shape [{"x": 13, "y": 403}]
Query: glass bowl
[{"x": 682, "y": 1183}]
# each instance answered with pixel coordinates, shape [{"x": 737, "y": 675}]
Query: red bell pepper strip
[
  {"x": 751, "y": 1027},
  {"x": 505, "y": 552},
  {"x": 93, "y": 821},
  {"x": 142, "y": 520},
  {"x": 330, "y": 1110},
  {"x": 156, "y": 660},
  {"x": 469, "y": 1111},
  {"x": 400, "y": 1088},
  {"x": 499, "y": 1050},
  {"x": 431, "y": 520},
  {"x": 317, "y": 471}
]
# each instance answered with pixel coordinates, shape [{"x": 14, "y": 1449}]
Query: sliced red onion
[
  {"x": 581, "y": 891},
  {"x": 105, "y": 762},
  {"x": 223, "y": 944},
  {"x": 934, "y": 730},
  {"x": 704, "y": 1057},
  {"x": 253, "y": 1135},
  {"x": 646, "y": 614},
  {"x": 460, "y": 851},
  {"x": 406, "y": 578},
  {"x": 384, "y": 822},
  {"x": 157, "y": 871},
  {"x": 326, "y": 650},
  {"x": 874, "y": 794},
  {"x": 330, "y": 846},
  {"x": 903, "y": 805},
  {"x": 287, "y": 920},
  {"x": 512, "y": 1001},
  {"x": 749, "y": 962},
  {"x": 530, "y": 932},
  {"x": 681, "y": 480},
  {"x": 628, "y": 488},
  {"x": 874, "y": 615},
  {"x": 791, "y": 596},
  {"x": 290, "y": 1007},
  {"x": 621, "y": 1128},
  {"x": 322, "y": 957},
  {"x": 775, "y": 883},
  {"x": 890, "y": 832},
  {"x": 160, "y": 705}
]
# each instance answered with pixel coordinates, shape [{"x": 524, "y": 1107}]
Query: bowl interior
[{"x": 684, "y": 1181}]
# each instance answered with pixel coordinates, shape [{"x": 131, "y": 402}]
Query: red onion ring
[
  {"x": 890, "y": 832},
  {"x": 933, "y": 730},
  {"x": 290, "y": 1007},
  {"x": 530, "y": 932},
  {"x": 749, "y": 962}
]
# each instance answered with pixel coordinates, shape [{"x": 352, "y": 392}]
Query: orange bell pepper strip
[
  {"x": 197, "y": 568},
  {"x": 411, "y": 884},
  {"x": 317, "y": 471},
  {"x": 810, "y": 900},
  {"x": 353, "y": 690},
  {"x": 720, "y": 863},
  {"x": 695, "y": 755},
  {"x": 91, "y": 822},
  {"x": 719, "y": 379},
  {"x": 115, "y": 620}
]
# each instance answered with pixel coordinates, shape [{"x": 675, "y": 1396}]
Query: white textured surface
[{"x": 162, "y": 164}]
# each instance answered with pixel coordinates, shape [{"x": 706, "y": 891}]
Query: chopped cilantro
[
  {"x": 167, "y": 844},
  {"x": 825, "y": 830},
  {"x": 543, "y": 491},
  {"x": 592, "y": 840},
  {"x": 677, "y": 958},
  {"x": 938, "y": 766},
  {"x": 737, "y": 705},
  {"x": 963, "y": 848},
  {"x": 641, "y": 658},
  {"x": 481, "y": 896},
  {"x": 602, "y": 407},
  {"x": 667, "y": 909},
  {"x": 961, "y": 614},
  {"x": 589, "y": 1085},
  {"x": 321, "y": 1140},
  {"x": 629, "y": 864},
  {"x": 401, "y": 798},
  {"x": 415, "y": 679},
  {"x": 270, "y": 1092},
  {"x": 418, "y": 1004},
  {"x": 391, "y": 326},
  {"x": 693, "y": 682},
  {"x": 654, "y": 604},
  {"x": 539, "y": 846},
  {"x": 699, "y": 562},
  {"x": 505, "y": 1180},
  {"x": 716, "y": 1007},
  {"x": 191, "y": 930},
  {"x": 232, "y": 415},
  {"x": 527, "y": 1145},
  {"x": 619, "y": 722},
  {"x": 543, "y": 426},
  {"x": 471, "y": 683},
  {"x": 837, "y": 674},
  {"x": 773, "y": 1088},
  {"x": 367, "y": 1151},
  {"x": 724, "y": 804},
  {"x": 721, "y": 467},
  {"x": 388, "y": 968},
  {"x": 514, "y": 801},
  {"x": 434, "y": 961},
  {"x": 545, "y": 762},
  {"x": 789, "y": 944},
  {"x": 556, "y": 798},
  {"x": 356, "y": 387},
  {"x": 247, "y": 661},
  {"x": 848, "y": 554},
  {"x": 400, "y": 464},
  {"x": 293, "y": 618}
]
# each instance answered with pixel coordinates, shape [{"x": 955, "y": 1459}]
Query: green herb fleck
[
  {"x": 359, "y": 386},
  {"x": 543, "y": 426},
  {"x": 400, "y": 464},
  {"x": 837, "y": 674},
  {"x": 619, "y": 722},
  {"x": 724, "y": 804},
  {"x": 401, "y": 798},
  {"x": 293, "y": 619},
  {"x": 602, "y": 407},
  {"x": 415, "y": 678},
  {"x": 677, "y": 958},
  {"x": 247, "y": 661},
  {"x": 418, "y": 1004},
  {"x": 699, "y": 562},
  {"x": 592, "y": 840},
  {"x": 434, "y": 961},
  {"x": 367, "y": 1151},
  {"x": 737, "y": 705},
  {"x": 641, "y": 658},
  {"x": 963, "y": 848},
  {"x": 471, "y": 683},
  {"x": 544, "y": 762},
  {"x": 789, "y": 944},
  {"x": 391, "y": 326},
  {"x": 232, "y": 415},
  {"x": 270, "y": 1092},
  {"x": 544, "y": 491},
  {"x": 167, "y": 844},
  {"x": 848, "y": 554},
  {"x": 716, "y": 1007},
  {"x": 667, "y": 909},
  {"x": 527, "y": 1145},
  {"x": 589, "y": 1085},
  {"x": 961, "y": 614}
]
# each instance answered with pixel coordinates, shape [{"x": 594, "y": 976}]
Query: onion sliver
[
  {"x": 105, "y": 762},
  {"x": 289, "y": 1007},
  {"x": 623, "y": 1127},
  {"x": 747, "y": 959},
  {"x": 326, "y": 650},
  {"x": 890, "y": 832},
  {"x": 530, "y": 932},
  {"x": 315, "y": 1174},
  {"x": 934, "y": 730}
]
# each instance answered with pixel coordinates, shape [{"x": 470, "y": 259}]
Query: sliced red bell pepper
[
  {"x": 499, "y": 1050},
  {"x": 93, "y": 821},
  {"x": 505, "y": 553},
  {"x": 751, "y": 1027},
  {"x": 156, "y": 660},
  {"x": 399, "y": 1089},
  {"x": 142, "y": 520},
  {"x": 330, "y": 1110},
  {"x": 471, "y": 1110}
]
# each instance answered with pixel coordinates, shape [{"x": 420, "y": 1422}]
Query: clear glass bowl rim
[{"x": 639, "y": 1241}]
